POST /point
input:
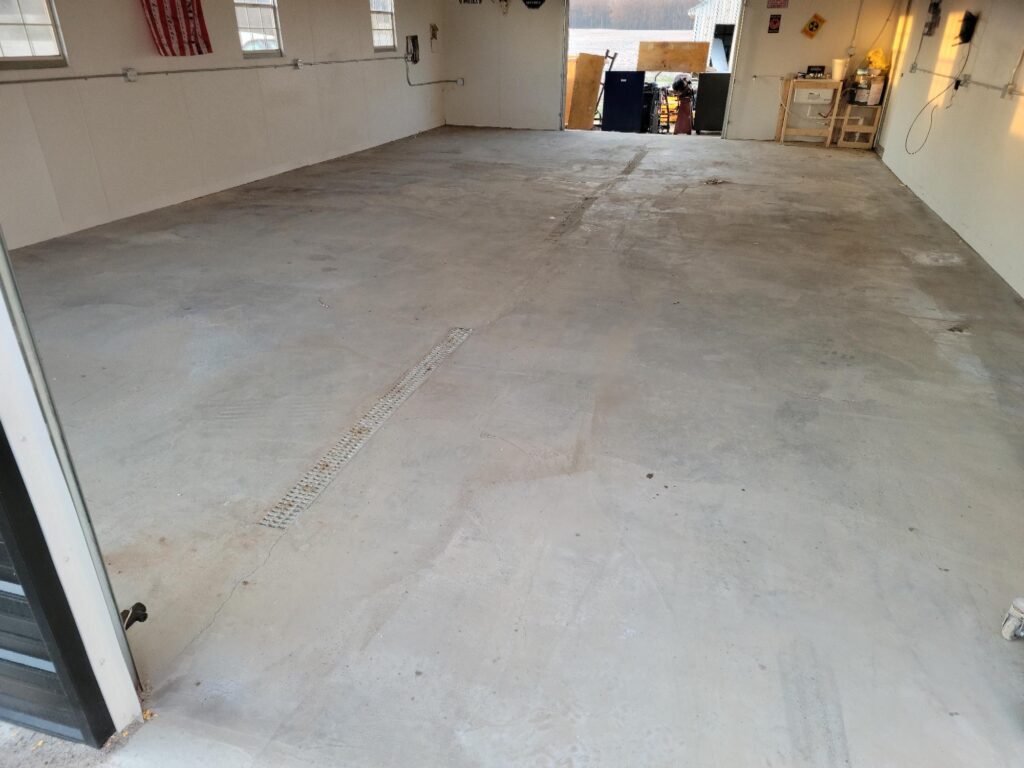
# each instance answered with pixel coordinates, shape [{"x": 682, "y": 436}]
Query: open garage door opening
[{"x": 649, "y": 66}]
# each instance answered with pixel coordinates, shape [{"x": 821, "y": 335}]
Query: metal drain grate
[{"x": 313, "y": 483}]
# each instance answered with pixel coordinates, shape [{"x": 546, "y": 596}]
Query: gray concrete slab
[{"x": 728, "y": 474}]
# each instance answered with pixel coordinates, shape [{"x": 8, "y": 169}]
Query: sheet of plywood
[
  {"x": 672, "y": 57},
  {"x": 570, "y": 79},
  {"x": 787, "y": 85},
  {"x": 586, "y": 85}
]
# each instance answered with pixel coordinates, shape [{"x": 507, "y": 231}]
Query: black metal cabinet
[
  {"x": 712, "y": 93},
  {"x": 623, "y": 102}
]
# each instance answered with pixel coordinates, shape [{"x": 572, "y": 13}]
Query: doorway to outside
[{"x": 666, "y": 55}]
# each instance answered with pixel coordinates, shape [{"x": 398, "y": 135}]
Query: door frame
[
  {"x": 565, "y": 66},
  {"x": 734, "y": 58},
  {"x": 38, "y": 446}
]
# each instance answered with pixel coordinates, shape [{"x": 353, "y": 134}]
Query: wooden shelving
[
  {"x": 784, "y": 132},
  {"x": 861, "y": 122},
  {"x": 849, "y": 126}
]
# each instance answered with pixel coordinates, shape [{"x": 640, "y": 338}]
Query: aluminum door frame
[{"x": 37, "y": 443}]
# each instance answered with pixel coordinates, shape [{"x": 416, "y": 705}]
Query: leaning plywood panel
[
  {"x": 586, "y": 86},
  {"x": 787, "y": 85},
  {"x": 672, "y": 57},
  {"x": 570, "y": 77}
]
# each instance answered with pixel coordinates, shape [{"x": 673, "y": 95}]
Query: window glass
[
  {"x": 382, "y": 24},
  {"x": 259, "y": 28},
  {"x": 28, "y": 31}
]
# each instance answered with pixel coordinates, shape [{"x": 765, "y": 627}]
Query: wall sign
[
  {"x": 778, "y": 3},
  {"x": 774, "y": 23},
  {"x": 533, "y": 3},
  {"x": 813, "y": 26}
]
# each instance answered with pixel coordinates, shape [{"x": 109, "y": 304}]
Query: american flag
[{"x": 178, "y": 27}]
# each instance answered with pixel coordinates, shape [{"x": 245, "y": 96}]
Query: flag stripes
[{"x": 178, "y": 27}]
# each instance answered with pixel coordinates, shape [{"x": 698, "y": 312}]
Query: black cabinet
[
  {"x": 712, "y": 92},
  {"x": 623, "y": 102}
]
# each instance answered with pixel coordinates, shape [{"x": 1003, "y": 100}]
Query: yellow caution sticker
[{"x": 812, "y": 27}]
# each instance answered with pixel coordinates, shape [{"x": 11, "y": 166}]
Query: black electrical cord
[
  {"x": 836, "y": 102},
  {"x": 953, "y": 83}
]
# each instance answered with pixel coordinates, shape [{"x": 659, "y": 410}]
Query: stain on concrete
[
  {"x": 573, "y": 218},
  {"x": 814, "y": 711},
  {"x": 933, "y": 258}
]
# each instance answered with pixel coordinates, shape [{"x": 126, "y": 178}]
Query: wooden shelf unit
[
  {"x": 791, "y": 86},
  {"x": 854, "y": 121}
]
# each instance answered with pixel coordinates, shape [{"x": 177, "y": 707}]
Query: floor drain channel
[{"x": 313, "y": 483}]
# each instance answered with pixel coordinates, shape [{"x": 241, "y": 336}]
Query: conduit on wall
[{"x": 129, "y": 74}]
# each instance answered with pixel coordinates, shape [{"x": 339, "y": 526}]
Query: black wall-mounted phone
[
  {"x": 412, "y": 48},
  {"x": 967, "y": 27}
]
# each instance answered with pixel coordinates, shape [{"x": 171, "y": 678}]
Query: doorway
[{"x": 665, "y": 57}]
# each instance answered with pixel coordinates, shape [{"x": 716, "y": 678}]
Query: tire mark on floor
[
  {"x": 814, "y": 712},
  {"x": 573, "y": 218}
]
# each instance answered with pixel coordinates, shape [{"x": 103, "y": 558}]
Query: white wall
[
  {"x": 971, "y": 170},
  {"x": 80, "y": 153},
  {"x": 763, "y": 59},
  {"x": 513, "y": 64}
]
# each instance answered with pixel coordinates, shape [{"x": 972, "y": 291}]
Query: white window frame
[
  {"x": 279, "y": 51},
  {"x": 393, "y": 28},
  {"x": 31, "y": 62}
]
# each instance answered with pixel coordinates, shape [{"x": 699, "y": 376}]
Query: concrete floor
[{"x": 728, "y": 474}]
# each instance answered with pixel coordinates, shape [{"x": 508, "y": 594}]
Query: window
[
  {"x": 28, "y": 34},
  {"x": 382, "y": 21},
  {"x": 259, "y": 28}
]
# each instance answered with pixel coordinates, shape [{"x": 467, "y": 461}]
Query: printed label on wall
[
  {"x": 774, "y": 23},
  {"x": 778, "y": 3},
  {"x": 812, "y": 27}
]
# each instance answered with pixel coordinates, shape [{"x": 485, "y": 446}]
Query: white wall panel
[
  {"x": 971, "y": 170},
  {"x": 81, "y": 153},
  {"x": 227, "y": 120},
  {"x": 291, "y": 108},
  {"x": 144, "y": 146},
  {"x": 342, "y": 109},
  {"x": 59, "y": 118},
  {"x": 512, "y": 63},
  {"x": 27, "y": 197}
]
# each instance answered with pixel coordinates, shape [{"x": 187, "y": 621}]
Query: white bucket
[
  {"x": 839, "y": 69},
  {"x": 875, "y": 92}
]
